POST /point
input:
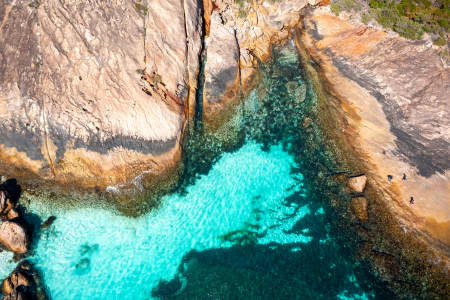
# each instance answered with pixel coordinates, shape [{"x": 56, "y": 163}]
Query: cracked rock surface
[{"x": 75, "y": 106}]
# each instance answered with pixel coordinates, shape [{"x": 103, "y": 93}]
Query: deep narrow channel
[{"x": 251, "y": 224}]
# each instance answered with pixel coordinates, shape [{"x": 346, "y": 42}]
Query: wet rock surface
[
  {"x": 359, "y": 205},
  {"x": 23, "y": 283}
]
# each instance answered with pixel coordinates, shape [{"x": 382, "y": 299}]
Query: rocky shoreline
[
  {"x": 396, "y": 237},
  {"x": 385, "y": 95},
  {"x": 16, "y": 235}
]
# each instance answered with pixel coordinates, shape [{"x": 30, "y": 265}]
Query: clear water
[
  {"x": 250, "y": 227},
  {"x": 95, "y": 254}
]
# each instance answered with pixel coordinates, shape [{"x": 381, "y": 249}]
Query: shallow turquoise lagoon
[{"x": 96, "y": 254}]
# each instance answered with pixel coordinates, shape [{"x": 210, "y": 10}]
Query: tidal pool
[{"x": 248, "y": 224}]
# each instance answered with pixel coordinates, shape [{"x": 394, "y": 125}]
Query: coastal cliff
[
  {"x": 92, "y": 94},
  {"x": 391, "y": 96},
  {"x": 98, "y": 97}
]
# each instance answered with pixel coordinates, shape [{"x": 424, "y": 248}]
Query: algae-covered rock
[{"x": 359, "y": 206}]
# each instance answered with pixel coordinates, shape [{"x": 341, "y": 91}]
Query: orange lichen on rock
[{"x": 344, "y": 38}]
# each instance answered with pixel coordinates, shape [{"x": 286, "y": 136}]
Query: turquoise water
[
  {"x": 95, "y": 254},
  {"x": 247, "y": 224}
]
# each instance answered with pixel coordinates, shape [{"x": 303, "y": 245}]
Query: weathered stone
[
  {"x": 12, "y": 283},
  {"x": 13, "y": 237},
  {"x": 18, "y": 279},
  {"x": 3, "y": 200},
  {"x": 357, "y": 183},
  {"x": 12, "y": 214},
  {"x": 222, "y": 67},
  {"x": 359, "y": 206},
  {"x": 15, "y": 295},
  {"x": 7, "y": 286},
  {"x": 72, "y": 105}
]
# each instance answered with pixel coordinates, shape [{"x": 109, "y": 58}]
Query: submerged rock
[
  {"x": 48, "y": 222},
  {"x": 24, "y": 283},
  {"x": 357, "y": 183},
  {"x": 7, "y": 286},
  {"x": 306, "y": 122},
  {"x": 359, "y": 206},
  {"x": 13, "y": 237}
]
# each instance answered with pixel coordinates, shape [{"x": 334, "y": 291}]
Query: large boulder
[
  {"x": 75, "y": 106},
  {"x": 13, "y": 237},
  {"x": 357, "y": 183},
  {"x": 12, "y": 282}
]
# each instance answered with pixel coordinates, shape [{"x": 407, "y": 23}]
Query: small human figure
[
  {"x": 390, "y": 178},
  {"x": 404, "y": 177},
  {"x": 411, "y": 200}
]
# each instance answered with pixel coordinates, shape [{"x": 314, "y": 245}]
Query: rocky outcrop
[
  {"x": 15, "y": 280},
  {"x": 222, "y": 65},
  {"x": 97, "y": 96},
  {"x": 393, "y": 94},
  {"x": 92, "y": 93},
  {"x": 13, "y": 232},
  {"x": 357, "y": 183},
  {"x": 23, "y": 283},
  {"x": 388, "y": 96},
  {"x": 241, "y": 36},
  {"x": 13, "y": 237}
]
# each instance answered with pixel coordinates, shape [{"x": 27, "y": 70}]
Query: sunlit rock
[
  {"x": 13, "y": 237},
  {"x": 357, "y": 183}
]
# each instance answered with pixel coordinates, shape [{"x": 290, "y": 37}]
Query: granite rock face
[
  {"x": 92, "y": 93},
  {"x": 13, "y": 237},
  {"x": 222, "y": 66},
  {"x": 393, "y": 95},
  {"x": 240, "y": 37},
  {"x": 96, "y": 94},
  {"x": 413, "y": 86}
]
